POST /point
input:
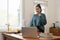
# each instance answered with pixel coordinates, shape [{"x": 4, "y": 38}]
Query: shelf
[{"x": 41, "y": 1}]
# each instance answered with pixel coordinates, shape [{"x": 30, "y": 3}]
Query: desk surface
[{"x": 19, "y": 36}]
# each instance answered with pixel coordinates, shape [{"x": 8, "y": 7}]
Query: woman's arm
[
  {"x": 43, "y": 20},
  {"x": 33, "y": 22}
]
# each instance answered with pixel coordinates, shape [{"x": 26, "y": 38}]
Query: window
[
  {"x": 15, "y": 13},
  {"x": 3, "y": 12},
  {"x": 11, "y": 13},
  {"x": 14, "y": 10}
]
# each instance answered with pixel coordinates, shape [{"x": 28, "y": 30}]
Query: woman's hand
[{"x": 46, "y": 32}]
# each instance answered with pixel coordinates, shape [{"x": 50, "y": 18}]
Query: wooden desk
[{"x": 19, "y": 37}]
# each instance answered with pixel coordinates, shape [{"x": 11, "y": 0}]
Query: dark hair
[{"x": 38, "y": 5}]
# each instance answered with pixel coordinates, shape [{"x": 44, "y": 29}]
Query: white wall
[
  {"x": 28, "y": 11},
  {"x": 58, "y": 9},
  {"x": 50, "y": 14}
]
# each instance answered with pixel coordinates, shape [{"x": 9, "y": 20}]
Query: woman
[{"x": 39, "y": 19}]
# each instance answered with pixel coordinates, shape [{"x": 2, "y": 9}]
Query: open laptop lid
[{"x": 29, "y": 32}]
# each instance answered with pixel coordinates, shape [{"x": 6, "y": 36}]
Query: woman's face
[{"x": 38, "y": 10}]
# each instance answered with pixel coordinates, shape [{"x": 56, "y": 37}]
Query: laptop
[{"x": 29, "y": 32}]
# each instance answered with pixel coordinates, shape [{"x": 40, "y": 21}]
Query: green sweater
[{"x": 38, "y": 21}]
